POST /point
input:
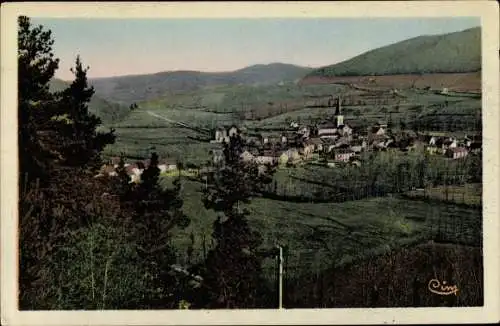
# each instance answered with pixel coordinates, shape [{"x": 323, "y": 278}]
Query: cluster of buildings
[
  {"x": 452, "y": 147},
  {"x": 134, "y": 170},
  {"x": 331, "y": 143},
  {"x": 335, "y": 141}
]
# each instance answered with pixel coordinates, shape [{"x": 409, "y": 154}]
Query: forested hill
[
  {"x": 447, "y": 53},
  {"x": 107, "y": 111},
  {"x": 127, "y": 89}
]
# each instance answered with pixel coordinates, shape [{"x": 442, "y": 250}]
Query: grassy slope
[
  {"x": 454, "y": 52},
  {"x": 314, "y": 236}
]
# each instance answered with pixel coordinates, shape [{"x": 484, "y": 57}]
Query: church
[{"x": 338, "y": 128}]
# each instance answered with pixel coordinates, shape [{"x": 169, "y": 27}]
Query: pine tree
[
  {"x": 81, "y": 143},
  {"x": 36, "y": 67},
  {"x": 156, "y": 212},
  {"x": 232, "y": 275}
]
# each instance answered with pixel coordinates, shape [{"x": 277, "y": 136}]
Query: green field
[{"x": 334, "y": 233}]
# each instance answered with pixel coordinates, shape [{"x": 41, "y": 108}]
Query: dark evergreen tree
[
  {"x": 156, "y": 211},
  {"x": 232, "y": 274},
  {"x": 58, "y": 205},
  {"x": 36, "y": 67},
  {"x": 81, "y": 142}
]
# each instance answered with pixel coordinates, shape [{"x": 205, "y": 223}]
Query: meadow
[{"x": 319, "y": 235}]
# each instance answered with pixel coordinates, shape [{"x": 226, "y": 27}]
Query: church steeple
[
  {"x": 338, "y": 108},
  {"x": 338, "y": 113}
]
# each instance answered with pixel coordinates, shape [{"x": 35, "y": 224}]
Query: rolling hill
[
  {"x": 456, "y": 52},
  {"x": 128, "y": 89},
  {"x": 107, "y": 111}
]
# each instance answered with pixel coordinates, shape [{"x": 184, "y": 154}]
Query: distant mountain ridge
[
  {"x": 446, "y": 53},
  {"x": 134, "y": 88}
]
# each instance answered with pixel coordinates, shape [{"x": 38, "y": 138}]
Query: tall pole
[{"x": 280, "y": 277}]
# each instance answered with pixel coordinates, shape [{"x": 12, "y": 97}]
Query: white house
[
  {"x": 380, "y": 132},
  {"x": 232, "y": 131},
  {"x": 220, "y": 135}
]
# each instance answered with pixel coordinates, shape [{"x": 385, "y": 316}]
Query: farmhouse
[
  {"x": 220, "y": 135},
  {"x": 456, "y": 152}
]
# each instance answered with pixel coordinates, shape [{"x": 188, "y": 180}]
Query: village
[{"x": 332, "y": 143}]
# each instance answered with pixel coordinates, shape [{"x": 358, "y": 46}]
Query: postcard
[{"x": 249, "y": 162}]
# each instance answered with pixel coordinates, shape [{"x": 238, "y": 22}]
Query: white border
[{"x": 487, "y": 10}]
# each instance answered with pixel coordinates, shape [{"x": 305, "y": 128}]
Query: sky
[{"x": 116, "y": 47}]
